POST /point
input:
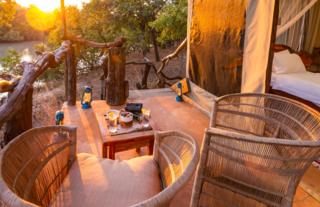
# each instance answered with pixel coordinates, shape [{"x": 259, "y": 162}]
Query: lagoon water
[{"x": 26, "y": 48}]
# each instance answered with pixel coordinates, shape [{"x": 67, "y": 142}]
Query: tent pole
[
  {"x": 63, "y": 15},
  {"x": 64, "y": 37},
  {"x": 272, "y": 42}
]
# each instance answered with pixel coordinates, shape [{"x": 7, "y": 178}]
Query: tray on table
[{"x": 136, "y": 127}]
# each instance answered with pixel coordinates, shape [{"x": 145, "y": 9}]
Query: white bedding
[{"x": 305, "y": 85}]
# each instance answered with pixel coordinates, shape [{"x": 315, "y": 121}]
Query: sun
[
  {"x": 43, "y": 5},
  {"x": 50, "y": 5},
  {"x": 39, "y": 19}
]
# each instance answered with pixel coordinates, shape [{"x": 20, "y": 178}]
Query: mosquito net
[
  {"x": 298, "y": 21},
  {"x": 291, "y": 11}
]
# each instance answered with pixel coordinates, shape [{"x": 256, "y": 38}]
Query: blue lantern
[
  {"x": 86, "y": 98},
  {"x": 179, "y": 96},
  {"x": 59, "y": 117}
]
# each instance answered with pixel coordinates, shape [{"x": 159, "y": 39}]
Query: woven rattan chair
[
  {"x": 36, "y": 163},
  {"x": 256, "y": 151}
]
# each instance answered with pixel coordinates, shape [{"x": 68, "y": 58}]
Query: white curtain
[
  {"x": 258, "y": 29},
  {"x": 259, "y": 21}
]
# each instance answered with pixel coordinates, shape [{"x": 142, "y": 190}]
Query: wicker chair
[
  {"x": 35, "y": 164},
  {"x": 256, "y": 151}
]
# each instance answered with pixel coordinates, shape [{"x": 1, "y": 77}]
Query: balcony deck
[{"x": 167, "y": 114}]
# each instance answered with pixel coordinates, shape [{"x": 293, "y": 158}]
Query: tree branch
[{"x": 166, "y": 59}]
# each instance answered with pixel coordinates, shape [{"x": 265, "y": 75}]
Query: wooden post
[
  {"x": 117, "y": 89},
  {"x": 21, "y": 121},
  {"x": 272, "y": 42},
  {"x": 71, "y": 85}
]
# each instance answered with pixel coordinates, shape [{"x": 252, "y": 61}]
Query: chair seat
[{"x": 100, "y": 182}]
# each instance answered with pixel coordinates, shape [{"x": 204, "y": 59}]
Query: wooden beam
[
  {"x": 22, "y": 120},
  {"x": 272, "y": 42}
]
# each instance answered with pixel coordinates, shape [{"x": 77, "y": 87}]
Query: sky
[{"x": 49, "y": 5}]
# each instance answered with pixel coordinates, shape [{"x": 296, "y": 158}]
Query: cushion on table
[{"x": 100, "y": 182}]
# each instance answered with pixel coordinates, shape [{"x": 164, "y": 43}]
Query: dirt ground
[{"x": 50, "y": 97}]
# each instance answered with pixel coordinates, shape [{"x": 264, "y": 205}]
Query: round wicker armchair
[
  {"x": 256, "y": 151},
  {"x": 41, "y": 168}
]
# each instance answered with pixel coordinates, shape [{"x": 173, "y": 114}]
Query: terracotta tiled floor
[
  {"x": 303, "y": 199},
  {"x": 90, "y": 142}
]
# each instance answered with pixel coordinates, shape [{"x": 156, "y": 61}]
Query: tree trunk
[
  {"x": 155, "y": 45},
  {"x": 21, "y": 121},
  {"x": 145, "y": 75},
  {"x": 105, "y": 64},
  {"x": 117, "y": 88}
]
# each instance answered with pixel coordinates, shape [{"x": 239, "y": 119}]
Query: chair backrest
[
  {"x": 256, "y": 151},
  {"x": 177, "y": 155},
  {"x": 266, "y": 115},
  {"x": 34, "y": 164}
]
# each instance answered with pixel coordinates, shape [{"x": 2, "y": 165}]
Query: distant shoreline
[
  {"x": 19, "y": 41},
  {"x": 18, "y": 45}
]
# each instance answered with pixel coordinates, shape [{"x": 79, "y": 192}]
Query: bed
[
  {"x": 300, "y": 85},
  {"x": 303, "y": 85}
]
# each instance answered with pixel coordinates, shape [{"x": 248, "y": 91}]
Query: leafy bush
[
  {"x": 171, "y": 22},
  {"x": 10, "y": 61}
]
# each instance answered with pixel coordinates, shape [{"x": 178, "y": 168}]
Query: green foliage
[
  {"x": 95, "y": 21},
  {"x": 40, "y": 48},
  {"x": 12, "y": 35},
  {"x": 132, "y": 18},
  {"x": 55, "y": 35},
  {"x": 10, "y": 60},
  {"x": 144, "y": 23},
  {"x": 171, "y": 21},
  {"x": 7, "y": 13},
  {"x": 13, "y": 23}
]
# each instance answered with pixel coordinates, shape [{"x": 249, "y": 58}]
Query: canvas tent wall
[
  {"x": 229, "y": 44},
  {"x": 228, "y": 40}
]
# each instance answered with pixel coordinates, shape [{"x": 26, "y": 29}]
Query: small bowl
[{"x": 126, "y": 119}]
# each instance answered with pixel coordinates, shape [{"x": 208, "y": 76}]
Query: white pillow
[
  {"x": 283, "y": 52},
  {"x": 284, "y": 62}
]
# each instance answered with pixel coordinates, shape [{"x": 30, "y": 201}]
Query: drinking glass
[
  {"x": 145, "y": 119},
  {"x": 113, "y": 122}
]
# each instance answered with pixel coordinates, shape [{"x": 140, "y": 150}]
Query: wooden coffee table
[{"x": 113, "y": 144}]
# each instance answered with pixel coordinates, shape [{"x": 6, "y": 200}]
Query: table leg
[
  {"x": 112, "y": 152},
  {"x": 104, "y": 151},
  {"x": 151, "y": 143},
  {"x": 138, "y": 150}
]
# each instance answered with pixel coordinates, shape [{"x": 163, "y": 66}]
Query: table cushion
[{"x": 100, "y": 182}]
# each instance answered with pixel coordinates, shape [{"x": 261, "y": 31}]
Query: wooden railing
[{"x": 16, "y": 111}]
